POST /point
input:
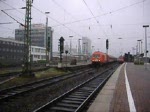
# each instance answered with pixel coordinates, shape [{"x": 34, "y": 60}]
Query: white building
[
  {"x": 86, "y": 46},
  {"x": 38, "y": 53}
]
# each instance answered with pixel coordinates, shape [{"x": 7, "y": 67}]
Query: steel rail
[
  {"x": 9, "y": 93},
  {"x": 77, "y": 98}
]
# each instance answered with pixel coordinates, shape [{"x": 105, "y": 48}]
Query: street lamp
[
  {"x": 70, "y": 43},
  {"x": 79, "y": 47},
  {"x": 47, "y": 52},
  {"x": 145, "y": 26},
  {"x": 120, "y": 46},
  {"x": 139, "y": 46},
  {"x": 93, "y": 48}
]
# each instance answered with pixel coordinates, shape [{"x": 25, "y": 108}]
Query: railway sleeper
[
  {"x": 61, "y": 109},
  {"x": 72, "y": 102},
  {"x": 68, "y": 105}
]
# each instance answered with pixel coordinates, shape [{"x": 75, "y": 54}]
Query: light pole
[
  {"x": 93, "y": 48},
  {"x": 70, "y": 44},
  {"x": 84, "y": 48},
  {"x": 120, "y": 46},
  {"x": 139, "y": 46},
  {"x": 145, "y": 26},
  {"x": 66, "y": 51},
  {"x": 46, "y": 40},
  {"x": 136, "y": 49},
  {"x": 79, "y": 47}
]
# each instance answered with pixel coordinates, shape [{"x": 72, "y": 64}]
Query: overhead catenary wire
[
  {"x": 104, "y": 14},
  {"x": 58, "y": 22},
  {"x": 113, "y": 11},
  {"x": 6, "y": 23},
  {"x": 11, "y": 7},
  {"x": 42, "y": 13},
  {"x": 94, "y": 17},
  {"x": 86, "y": 19},
  {"x": 13, "y": 18},
  {"x": 63, "y": 9}
]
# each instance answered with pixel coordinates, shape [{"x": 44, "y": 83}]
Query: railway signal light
[
  {"x": 107, "y": 44},
  {"x": 48, "y": 44},
  {"x": 61, "y": 40},
  {"x": 147, "y": 51}
]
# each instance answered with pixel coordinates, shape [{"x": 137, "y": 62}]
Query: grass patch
[
  {"x": 38, "y": 75},
  {"x": 139, "y": 63},
  {"x": 4, "y": 71},
  {"x": 17, "y": 81},
  {"x": 50, "y": 72}
]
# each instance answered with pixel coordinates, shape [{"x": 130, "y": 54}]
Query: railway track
[
  {"x": 12, "y": 92},
  {"x": 9, "y": 76},
  {"x": 6, "y": 78},
  {"x": 77, "y": 98}
]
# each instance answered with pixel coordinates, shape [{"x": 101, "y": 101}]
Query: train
[
  {"x": 100, "y": 58},
  {"x": 120, "y": 59}
]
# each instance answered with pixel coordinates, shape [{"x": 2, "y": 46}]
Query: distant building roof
[{"x": 10, "y": 40}]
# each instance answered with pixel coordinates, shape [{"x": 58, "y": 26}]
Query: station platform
[{"x": 127, "y": 90}]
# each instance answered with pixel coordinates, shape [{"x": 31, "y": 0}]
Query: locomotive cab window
[{"x": 96, "y": 56}]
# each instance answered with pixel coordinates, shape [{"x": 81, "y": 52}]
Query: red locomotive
[
  {"x": 102, "y": 58},
  {"x": 121, "y": 59}
]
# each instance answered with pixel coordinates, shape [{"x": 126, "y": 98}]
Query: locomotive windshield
[{"x": 96, "y": 56}]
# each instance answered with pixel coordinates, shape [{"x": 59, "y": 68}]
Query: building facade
[
  {"x": 38, "y": 53},
  {"x": 38, "y": 35},
  {"x": 86, "y": 46},
  {"x": 11, "y": 51}
]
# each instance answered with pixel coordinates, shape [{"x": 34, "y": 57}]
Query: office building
[
  {"x": 38, "y": 34},
  {"x": 86, "y": 46}
]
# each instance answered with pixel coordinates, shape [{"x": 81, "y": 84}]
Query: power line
[
  {"x": 63, "y": 9},
  {"x": 12, "y": 7},
  {"x": 104, "y": 14},
  {"x": 94, "y": 16},
  {"x": 43, "y": 13},
  {"x": 6, "y": 23},
  {"x": 13, "y": 18},
  {"x": 57, "y": 21}
]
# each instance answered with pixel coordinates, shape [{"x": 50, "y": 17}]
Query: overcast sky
[{"x": 94, "y": 19}]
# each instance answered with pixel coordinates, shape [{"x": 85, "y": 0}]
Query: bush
[
  {"x": 138, "y": 63},
  {"x": 41, "y": 61}
]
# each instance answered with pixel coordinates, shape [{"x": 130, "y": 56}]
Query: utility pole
[
  {"x": 84, "y": 48},
  {"x": 139, "y": 46},
  {"x": 79, "y": 47},
  {"x": 47, "y": 39},
  {"x": 107, "y": 46},
  {"x": 70, "y": 45},
  {"x": 27, "y": 39},
  {"x": 145, "y": 26}
]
